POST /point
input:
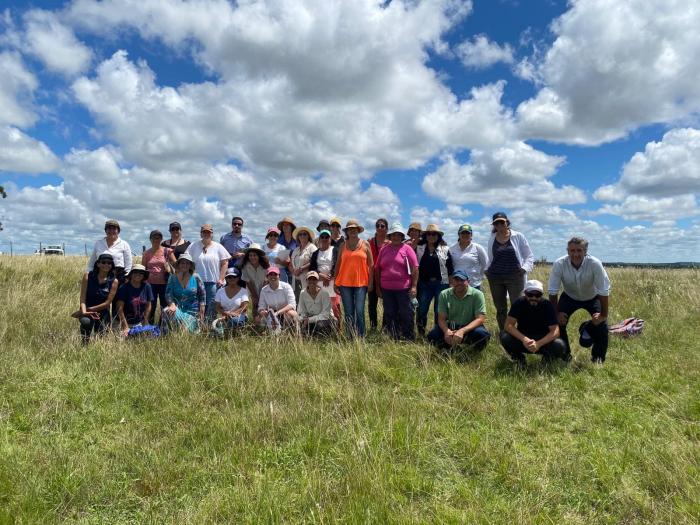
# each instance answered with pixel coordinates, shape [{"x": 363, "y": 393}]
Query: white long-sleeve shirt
[
  {"x": 278, "y": 298},
  {"x": 120, "y": 251},
  {"x": 582, "y": 284},
  {"x": 473, "y": 260},
  {"x": 318, "y": 309}
]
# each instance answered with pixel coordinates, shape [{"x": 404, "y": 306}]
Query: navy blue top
[
  {"x": 505, "y": 261},
  {"x": 97, "y": 292},
  {"x": 135, "y": 301}
]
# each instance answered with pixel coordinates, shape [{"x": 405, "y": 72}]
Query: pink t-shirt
[
  {"x": 156, "y": 266},
  {"x": 394, "y": 262}
]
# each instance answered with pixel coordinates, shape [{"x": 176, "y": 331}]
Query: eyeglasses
[{"x": 534, "y": 295}]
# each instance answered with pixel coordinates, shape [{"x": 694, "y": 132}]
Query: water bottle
[{"x": 414, "y": 303}]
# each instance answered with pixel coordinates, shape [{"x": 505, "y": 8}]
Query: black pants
[
  {"x": 321, "y": 329},
  {"x": 517, "y": 351},
  {"x": 372, "y": 302},
  {"x": 89, "y": 325},
  {"x": 398, "y": 314},
  {"x": 158, "y": 297},
  {"x": 599, "y": 333}
]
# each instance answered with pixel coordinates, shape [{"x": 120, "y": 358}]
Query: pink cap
[
  {"x": 273, "y": 269},
  {"x": 272, "y": 229}
]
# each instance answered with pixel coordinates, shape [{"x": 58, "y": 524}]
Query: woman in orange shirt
[{"x": 354, "y": 276}]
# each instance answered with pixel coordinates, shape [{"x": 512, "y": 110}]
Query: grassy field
[{"x": 193, "y": 430}]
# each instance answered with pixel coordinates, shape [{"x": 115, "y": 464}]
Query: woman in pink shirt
[
  {"x": 397, "y": 269},
  {"x": 155, "y": 259}
]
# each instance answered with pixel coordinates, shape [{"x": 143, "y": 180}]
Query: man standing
[
  {"x": 461, "y": 316},
  {"x": 586, "y": 285},
  {"x": 235, "y": 241},
  {"x": 531, "y": 327}
]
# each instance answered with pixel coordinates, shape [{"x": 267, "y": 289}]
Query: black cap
[
  {"x": 174, "y": 225},
  {"x": 155, "y": 233},
  {"x": 499, "y": 216}
]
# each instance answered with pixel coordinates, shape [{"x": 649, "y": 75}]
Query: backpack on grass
[{"x": 629, "y": 327}]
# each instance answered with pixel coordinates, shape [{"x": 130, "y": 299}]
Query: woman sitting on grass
[
  {"x": 231, "y": 303},
  {"x": 185, "y": 296},
  {"x": 315, "y": 311},
  {"x": 277, "y": 306},
  {"x": 97, "y": 291},
  {"x": 134, "y": 300}
]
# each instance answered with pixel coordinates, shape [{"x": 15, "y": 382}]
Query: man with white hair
[
  {"x": 531, "y": 327},
  {"x": 586, "y": 285}
]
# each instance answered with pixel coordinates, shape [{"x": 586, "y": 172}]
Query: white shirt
[
  {"x": 120, "y": 251},
  {"x": 277, "y": 299},
  {"x": 473, "y": 260},
  {"x": 208, "y": 265},
  {"x": 300, "y": 257},
  {"x": 318, "y": 309},
  {"x": 324, "y": 260},
  {"x": 231, "y": 303},
  {"x": 581, "y": 284}
]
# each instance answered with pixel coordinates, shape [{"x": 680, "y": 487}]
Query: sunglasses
[
  {"x": 380, "y": 226},
  {"x": 273, "y": 234},
  {"x": 534, "y": 295},
  {"x": 206, "y": 232},
  {"x": 174, "y": 229},
  {"x": 237, "y": 224},
  {"x": 466, "y": 232},
  {"x": 105, "y": 261},
  {"x": 431, "y": 234},
  {"x": 303, "y": 233}
]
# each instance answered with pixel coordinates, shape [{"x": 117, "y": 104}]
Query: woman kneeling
[
  {"x": 231, "y": 302},
  {"x": 97, "y": 292},
  {"x": 315, "y": 311},
  {"x": 185, "y": 296},
  {"x": 277, "y": 307}
]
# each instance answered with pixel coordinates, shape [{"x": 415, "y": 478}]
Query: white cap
[{"x": 534, "y": 286}]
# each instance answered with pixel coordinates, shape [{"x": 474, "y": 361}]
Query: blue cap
[
  {"x": 233, "y": 272},
  {"x": 461, "y": 274}
]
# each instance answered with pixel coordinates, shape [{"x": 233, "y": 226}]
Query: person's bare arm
[{"x": 478, "y": 321}]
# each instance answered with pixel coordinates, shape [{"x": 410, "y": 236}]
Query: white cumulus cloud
[{"x": 480, "y": 52}]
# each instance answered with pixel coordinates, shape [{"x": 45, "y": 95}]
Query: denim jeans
[
  {"x": 398, "y": 314},
  {"x": 428, "y": 291},
  {"x": 599, "y": 333},
  {"x": 504, "y": 287},
  {"x": 477, "y": 338},
  {"x": 353, "y": 298},
  {"x": 210, "y": 289}
]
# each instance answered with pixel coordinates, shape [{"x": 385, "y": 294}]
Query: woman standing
[
  {"x": 117, "y": 247},
  {"x": 354, "y": 275},
  {"x": 323, "y": 262},
  {"x": 134, "y": 300},
  {"x": 376, "y": 244},
  {"x": 254, "y": 271},
  {"x": 272, "y": 248},
  {"x": 176, "y": 242},
  {"x": 185, "y": 296},
  {"x": 158, "y": 261},
  {"x": 301, "y": 258},
  {"x": 414, "y": 235},
  {"x": 97, "y": 291},
  {"x": 510, "y": 261},
  {"x": 286, "y": 227},
  {"x": 211, "y": 261},
  {"x": 469, "y": 256},
  {"x": 231, "y": 303},
  {"x": 397, "y": 271},
  {"x": 435, "y": 268}
]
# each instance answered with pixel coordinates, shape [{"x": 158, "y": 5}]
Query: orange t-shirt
[{"x": 352, "y": 269}]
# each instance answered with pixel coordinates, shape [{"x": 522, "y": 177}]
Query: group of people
[{"x": 299, "y": 278}]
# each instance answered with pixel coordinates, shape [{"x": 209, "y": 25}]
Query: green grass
[{"x": 194, "y": 430}]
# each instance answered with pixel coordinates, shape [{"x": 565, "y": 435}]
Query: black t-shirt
[
  {"x": 177, "y": 250},
  {"x": 533, "y": 321},
  {"x": 429, "y": 266}
]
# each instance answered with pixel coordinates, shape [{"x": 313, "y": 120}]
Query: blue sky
[{"x": 439, "y": 111}]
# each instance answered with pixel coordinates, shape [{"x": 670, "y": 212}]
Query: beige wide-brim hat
[
  {"x": 140, "y": 268},
  {"x": 352, "y": 223},
  {"x": 288, "y": 220},
  {"x": 300, "y": 229},
  {"x": 415, "y": 226},
  {"x": 433, "y": 228},
  {"x": 255, "y": 247}
]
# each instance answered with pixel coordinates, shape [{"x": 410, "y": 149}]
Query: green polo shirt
[{"x": 461, "y": 311}]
